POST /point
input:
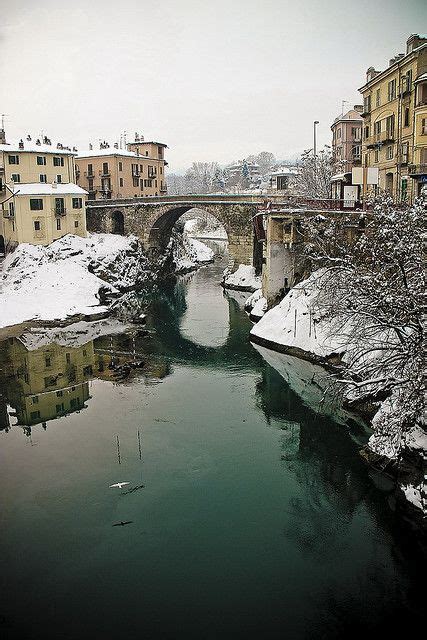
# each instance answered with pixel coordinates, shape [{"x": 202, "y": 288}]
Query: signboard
[
  {"x": 371, "y": 175},
  {"x": 350, "y": 196}
]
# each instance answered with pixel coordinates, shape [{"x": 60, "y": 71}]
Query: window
[
  {"x": 424, "y": 126},
  {"x": 141, "y": 168},
  {"x": 135, "y": 182},
  {"x": 41, "y": 160},
  {"x": 378, "y": 98},
  {"x": 405, "y": 152},
  {"x": 161, "y": 169},
  {"x": 391, "y": 90},
  {"x": 338, "y": 136},
  {"x": 35, "y": 415},
  {"x": 390, "y": 126},
  {"x": 408, "y": 80},
  {"x": 58, "y": 179},
  {"x": 406, "y": 117},
  {"x": 120, "y": 166},
  {"x": 58, "y": 224},
  {"x": 376, "y": 155},
  {"x": 377, "y": 127},
  {"x": 389, "y": 152},
  {"x": 367, "y": 104},
  {"x": 36, "y": 204},
  {"x": 76, "y": 224},
  {"x": 404, "y": 190},
  {"x": 366, "y": 132},
  {"x": 90, "y": 170},
  {"x": 155, "y": 183},
  {"x": 47, "y": 361},
  {"x": 142, "y": 184},
  {"x": 60, "y": 408},
  {"x": 43, "y": 177},
  {"x": 16, "y": 177},
  {"x": 11, "y": 209},
  {"x": 37, "y": 225},
  {"x": 105, "y": 168},
  {"x": 35, "y": 399},
  {"x": 13, "y": 159},
  {"x": 121, "y": 182},
  {"x": 146, "y": 153},
  {"x": 59, "y": 205},
  {"x": 90, "y": 184},
  {"x": 148, "y": 183},
  {"x": 58, "y": 162},
  {"x": 68, "y": 358},
  {"x": 77, "y": 203}
]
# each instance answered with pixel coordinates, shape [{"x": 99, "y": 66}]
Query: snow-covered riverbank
[
  {"x": 76, "y": 278},
  {"x": 297, "y": 326}
]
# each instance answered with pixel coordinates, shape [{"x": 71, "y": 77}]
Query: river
[{"x": 247, "y": 514}]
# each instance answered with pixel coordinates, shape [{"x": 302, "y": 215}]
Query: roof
[
  {"x": 111, "y": 151},
  {"x": 351, "y": 116},
  {"x": 421, "y": 78},
  {"x": 397, "y": 63},
  {"x": 159, "y": 144},
  {"x": 46, "y": 189},
  {"x": 30, "y": 146},
  {"x": 283, "y": 171}
]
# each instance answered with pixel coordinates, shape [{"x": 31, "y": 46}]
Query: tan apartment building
[
  {"x": 395, "y": 119},
  {"x": 114, "y": 173},
  {"x": 39, "y": 199}
]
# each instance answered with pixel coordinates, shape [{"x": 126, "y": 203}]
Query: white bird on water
[{"x": 119, "y": 485}]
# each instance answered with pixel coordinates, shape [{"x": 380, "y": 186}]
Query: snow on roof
[
  {"x": 30, "y": 146},
  {"x": 110, "y": 151},
  {"x": 44, "y": 189},
  {"x": 422, "y": 77},
  {"x": 283, "y": 171}
]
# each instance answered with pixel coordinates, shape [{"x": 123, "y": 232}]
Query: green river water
[{"x": 249, "y": 514}]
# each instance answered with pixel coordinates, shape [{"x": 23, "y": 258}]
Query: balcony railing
[
  {"x": 417, "y": 169},
  {"x": 104, "y": 174},
  {"x": 136, "y": 173},
  {"x": 380, "y": 138},
  {"x": 59, "y": 211},
  {"x": 89, "y": 174}
]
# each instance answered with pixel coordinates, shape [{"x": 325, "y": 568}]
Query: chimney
[
  {"x": 116, "y": 145},
  {"x": 90, "y": 146},
  {"x": 413, "y": 42},
  {"x": 21, "y": 145},
  {"x": 2, "y": 136}
]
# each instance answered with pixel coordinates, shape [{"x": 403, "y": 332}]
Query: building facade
[
  {"x": 39, "y": 199},
  {"x": 113, "y": 173},
  {"x": 346, "y": 153},
  {"x": 395, "y": 121},
  {"x": 280, "y": 180}
]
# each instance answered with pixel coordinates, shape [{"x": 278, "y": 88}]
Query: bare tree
[
  {"x": 372, "y": 291},
  {"x": 314, "y": 174},
  {"x": 201, "y": 177}
]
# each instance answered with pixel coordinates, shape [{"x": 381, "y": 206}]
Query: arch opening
[
  {"x": 161, "y": 230},
  {"x": 118, "y": 223}
]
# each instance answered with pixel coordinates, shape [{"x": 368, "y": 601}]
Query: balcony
[
  {"x": 104, "y": 174},
  {"x": 59, "y": 211},
  {"x": 385, "y": 137},
  {"x": 417, "y": 169},
  {"x": 152, "y": 175},
  {"x": 89, "y": 174},
  {"x": 136, "y": 173}
]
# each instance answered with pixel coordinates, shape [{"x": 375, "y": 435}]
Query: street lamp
[{"x": 314, "y": 137}]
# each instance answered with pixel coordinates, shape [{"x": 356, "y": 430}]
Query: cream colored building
[
  {"x": 395, "y": 121},
  {"x": 39, "y": 199},
  {"x": 114, "y": 173}
]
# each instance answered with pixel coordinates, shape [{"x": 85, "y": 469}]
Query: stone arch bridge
[{"x": 152, "y": 220}]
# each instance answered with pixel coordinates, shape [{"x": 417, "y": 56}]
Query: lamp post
[{"x": 316, "y": 122}]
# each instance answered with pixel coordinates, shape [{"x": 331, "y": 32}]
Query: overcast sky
[{"x": 214, "y": 80}]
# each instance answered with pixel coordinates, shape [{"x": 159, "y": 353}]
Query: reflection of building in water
[
  {"x": 51, "y": 381},
  {"x": 44, "y": 383}
]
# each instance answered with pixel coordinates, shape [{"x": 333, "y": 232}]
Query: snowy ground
[
  {"x": 256, "y": 304},
  {"x": 244, "y": 279},
  {"x": 77, "y": 277}
]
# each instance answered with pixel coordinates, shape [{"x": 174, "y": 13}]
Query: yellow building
[
  {"x": 39, "y": 199},
  {"x": 394, "y": 121},
  {"x": 114, "y": 173}
]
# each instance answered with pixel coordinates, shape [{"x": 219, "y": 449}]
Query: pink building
[{"x": 346, "y": 150}]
